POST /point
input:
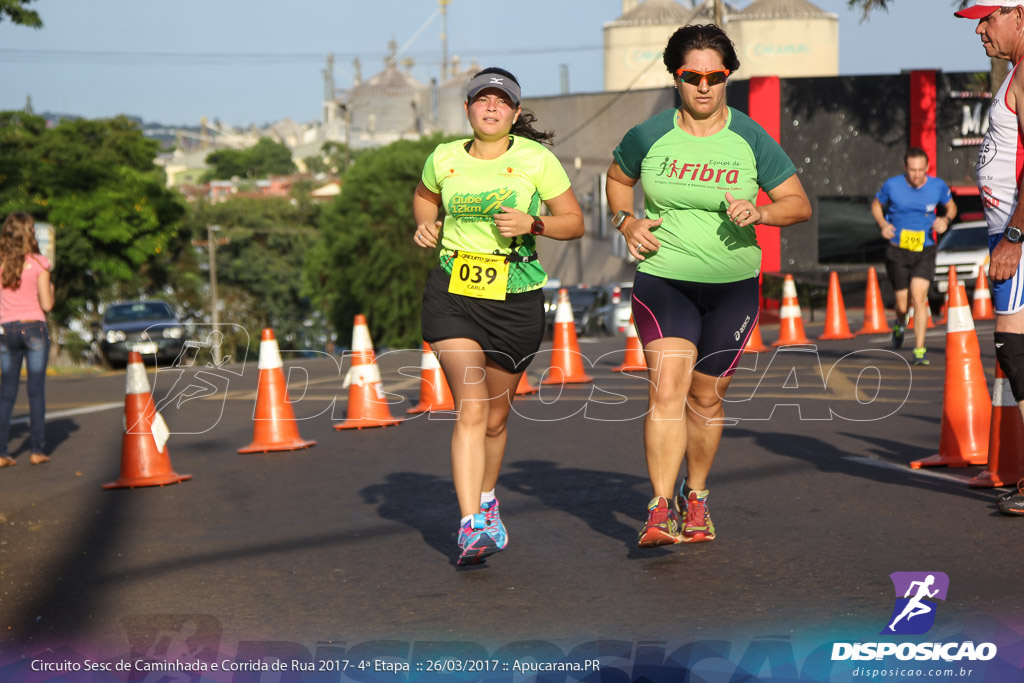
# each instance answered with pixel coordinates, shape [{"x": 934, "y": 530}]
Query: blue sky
[{"x": 258, "y": 61}]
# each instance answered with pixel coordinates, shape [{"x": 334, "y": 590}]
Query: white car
[{"x": 964, "y": 245}]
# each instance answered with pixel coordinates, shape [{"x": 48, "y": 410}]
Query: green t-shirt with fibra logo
[
  {"x": 474, "y": 190},
  {"x": 685, "y": 179}
]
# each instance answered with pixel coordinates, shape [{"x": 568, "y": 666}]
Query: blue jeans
[{"x": 30, "y": 341}]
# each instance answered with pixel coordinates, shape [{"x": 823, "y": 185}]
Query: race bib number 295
[
  {"x": 482, "y": 276},
  {"x": 912, "y": 240}
]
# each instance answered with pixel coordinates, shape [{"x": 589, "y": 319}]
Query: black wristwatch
[
  {"x": 538, "y": 226},
  {"x": 620, "y": 218},
  {"x": 1013, "y": 235}
]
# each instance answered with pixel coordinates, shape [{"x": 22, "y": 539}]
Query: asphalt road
[{"x": 346, "y": 550}]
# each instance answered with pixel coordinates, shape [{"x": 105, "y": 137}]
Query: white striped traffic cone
[
  {"x": 144, "y": 457},
  {"x": 274, "y": 426},
  {"x": 966, "y": 404},
  {"x": 566, "y": 359},
  {"x": 791, "y": 323},
  {"x": 634, "y": 360},
  {"x": 435, "y": 394},
  {"x": 1005, "y": 438},
  {"x": 366, "y": 404}
]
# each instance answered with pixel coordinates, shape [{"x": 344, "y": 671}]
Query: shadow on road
[
  {"x": 887, "y": 463},
  {"x": 69, "y": 590},
  {"x": 410, "y": 498},
  {"x": 594, "y": 496},
  {"x": 57, "y": 432}
]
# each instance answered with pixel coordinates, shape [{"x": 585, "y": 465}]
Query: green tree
[
  {"x": 17, "y": 12},
  {"x": 331, "y": 158},
  {"x": 96, "y": 182},
  {"x": 264, "y": 158},
  {"x": 259, "y": 268},
  {"x": 368, "y": 263}
]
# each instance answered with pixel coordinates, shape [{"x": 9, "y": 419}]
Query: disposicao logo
[
  {"x": 914, "y": 614},
  {"x": 916, "y": 592}
]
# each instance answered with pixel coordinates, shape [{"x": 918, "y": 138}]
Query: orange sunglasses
[{"x": 695, "y": 77}]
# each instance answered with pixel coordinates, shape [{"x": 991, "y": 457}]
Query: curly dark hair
[
  {"x": 523, "y": 126},
  {"x": 699, "y": 37},
  {"x": 17, "y": 240}
]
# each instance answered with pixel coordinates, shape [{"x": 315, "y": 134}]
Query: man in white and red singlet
[{"x": 1000, "y": 175}]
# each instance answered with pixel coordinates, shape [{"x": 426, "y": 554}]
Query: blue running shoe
[
  {"x": 476, "y": 541},
  {"x": 494, "y": 525}
]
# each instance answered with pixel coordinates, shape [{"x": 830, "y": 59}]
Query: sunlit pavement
[{"x": 353, "y": 540}]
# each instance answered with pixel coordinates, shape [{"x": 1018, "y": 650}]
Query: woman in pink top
[{"x": 25, "y": 295}]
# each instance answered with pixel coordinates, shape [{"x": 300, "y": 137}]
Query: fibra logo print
[{"x": 916, "y": 593}]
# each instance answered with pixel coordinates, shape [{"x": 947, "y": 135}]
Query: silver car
[{"x": 613, "y": 306}]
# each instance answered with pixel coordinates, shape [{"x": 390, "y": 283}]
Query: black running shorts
[
  {"x": 509, "y": 331},
  {"x": 717, "y": 317},
  {"x": 902, "y": 264}
]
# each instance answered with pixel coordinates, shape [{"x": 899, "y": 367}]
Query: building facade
[
  {"x": 845, "y": 135},
  {"x": 790, "y": 38}
]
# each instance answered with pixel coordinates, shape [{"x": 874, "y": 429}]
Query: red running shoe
[
  {"x": 662, "y": 527},
  {"x": 697, "y": 524}
]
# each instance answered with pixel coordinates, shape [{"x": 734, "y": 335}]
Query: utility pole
[
  {"x": 719, "y": 14},
  {"x": 214, "y": 303},
  {"x": 330, "y": 92},
  {"x": 444, "y": 38}
]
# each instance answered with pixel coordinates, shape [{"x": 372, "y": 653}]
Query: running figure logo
[{"x": 914, "y": 612}]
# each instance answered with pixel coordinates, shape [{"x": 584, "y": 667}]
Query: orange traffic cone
[
  {"x": 634, "y": 360},
  {"x": 836, "y": 325},
  {"x": 874, "y": 309},
  {"x": 524, "y": 387},
  {"x": 1005, "y": 438},
  {"x": 366, "y": 404},
  {"x": 911, "y": 316},
  {"x": 567, "y": 361},
  {"x": 754, "y": 342},
  {"x": 791, "y": 324},
  {"x": 435, "y": 394},
  {"x": 144, "y": 457},
  {"x": 982, "y": 309},
  {"x": 966, "y": 404},
  {"x": 274, "y": 426},
  {"x": 944, "y": 311}
]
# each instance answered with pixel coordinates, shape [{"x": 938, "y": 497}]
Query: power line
[{"x": 107, "y": 57}]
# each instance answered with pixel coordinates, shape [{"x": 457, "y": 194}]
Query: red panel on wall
[
  {"x": 765, "y": 108},
  {"x": 922, "y": 114}
]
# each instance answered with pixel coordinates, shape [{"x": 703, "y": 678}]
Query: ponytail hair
[{"x": 523, "y": 127}]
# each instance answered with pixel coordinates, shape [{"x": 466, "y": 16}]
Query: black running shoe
[
  {"x": 897, "y": 336},
  {"x": 1012, "y": 503}
]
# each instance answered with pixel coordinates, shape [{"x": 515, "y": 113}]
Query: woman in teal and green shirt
[{"x": 695, "y": 295}]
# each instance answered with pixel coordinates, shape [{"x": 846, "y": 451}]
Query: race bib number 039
[
  {"x": 483, "y": 276},
  {"x": 912, "y": 240}
]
